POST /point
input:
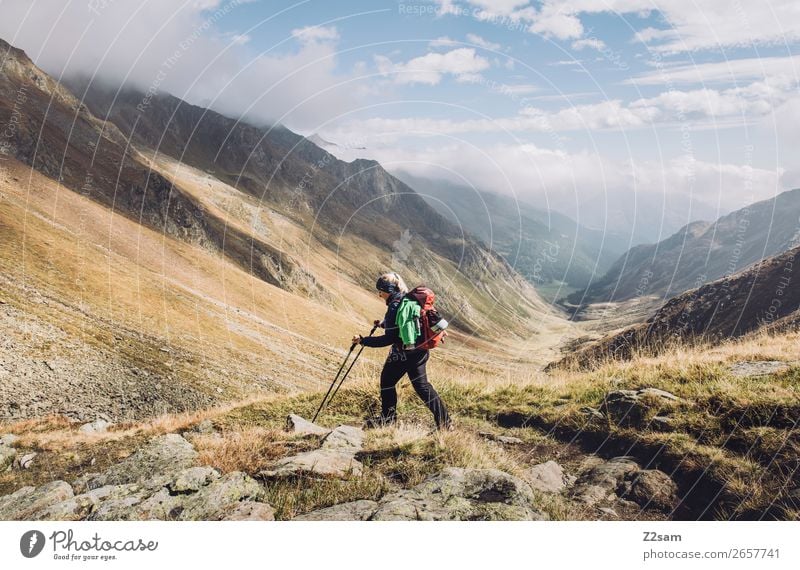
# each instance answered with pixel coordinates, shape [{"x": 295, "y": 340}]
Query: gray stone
[
  {"x": 758, "y": 368},
  {"x": 192, "y": 479},
  {"x": 83, "y": 505},
  {"x": 160, "y": 459},
  {"x": 662, "y": 423},
  {"x": 97, "y": 426},
  {"x": 221, "y": 498},
  {"x": 354, "y": 511},
  {"x": 453, "y": 494},
  {"x": 505, "y": 439},
  {"x": 652, "y": 488},
  {"x": 298, "y": 425},
  {"x": 548, "y": 477},
  {"x": 328, "y": 462},
  {"x": 592, "y": 413},
  {"x": 344, "y": 437},
  {"x": 609, "y": 511},
  {"x": 462, "y": 494},
  {"x": 27, "y": 502},
  {"x": 26, "y": 460},
  {"x": 600, "y": 481},
  {"x": 87, "y": 482},
  {"x": 251, "y": 511}
]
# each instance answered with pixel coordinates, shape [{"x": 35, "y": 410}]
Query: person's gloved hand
[
  {"x": 378, "y": 323},
  {"x": 357, "y": 339}
]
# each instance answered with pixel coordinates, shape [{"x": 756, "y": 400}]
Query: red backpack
[{"x": 431, "y": 325}]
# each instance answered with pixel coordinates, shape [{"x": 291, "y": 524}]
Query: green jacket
[{"x": 407, "y": 321}]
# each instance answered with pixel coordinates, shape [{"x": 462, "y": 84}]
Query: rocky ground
[{"x": 165, "y": 479}]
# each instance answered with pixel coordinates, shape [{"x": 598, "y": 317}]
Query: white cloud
[
  {"x": 591, "y": 188},
  {"x": 500, "y": 6},
  {"x": 428, "y": 69},
  {"x": 728, "y": 71},
  {"x": 121, "y": 43},
  {"x": 478, "y": 40},
  {"x": 592, "y": 43},
  {"x": 710, "y": 24},
  {"x": 316, "y": 34},
  {"x": 442, "y": 41},
  {"x": 557, "y": 21}
]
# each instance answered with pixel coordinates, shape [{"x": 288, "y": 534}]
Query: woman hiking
[{"x": 392, "y": 289}]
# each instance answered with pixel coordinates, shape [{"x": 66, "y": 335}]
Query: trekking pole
[
  {"x": 335, "y": 378},
  {"x": 351, "y": 366},
  {"x": 327, "y": 400}
]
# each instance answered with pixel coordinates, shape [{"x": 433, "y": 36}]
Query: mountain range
[{"x": 701, "y": 252}]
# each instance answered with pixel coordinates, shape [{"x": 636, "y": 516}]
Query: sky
[{"x": 626, "y": 114}]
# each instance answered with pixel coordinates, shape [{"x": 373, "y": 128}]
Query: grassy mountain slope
[{"x": 762, "y": 295}]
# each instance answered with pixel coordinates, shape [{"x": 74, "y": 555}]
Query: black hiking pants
[{"x": 412, "y": 363}]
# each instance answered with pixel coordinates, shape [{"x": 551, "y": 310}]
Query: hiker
[{"x": 400, "y": 361}]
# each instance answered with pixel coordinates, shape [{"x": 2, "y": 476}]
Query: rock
[
  {"x": 549, "y": 477},
  {"x": 50, "y": 365},
  {"x": 453, "y": 494},
  {"x": 592, "y": 413},
  {"x": 26, "y": 460},
  {"x": 97, "y": 426},
  {"x": 609, "y": 511},
  {"x": 758, "y": 368},
  {"x": 662, "y": 423},
  {"x": 251, "y": 511},
  {"x": 25, "y": 503},
  {"x": 353, "y": 511},
  {"x": 658, "y": 393},
  {"x": 600, "y": 481},
  {"x": 296, "y": 424},
  {"x": 222, "y": 498},
  {"x": 505, "y": 439},
  {"x": 462, "y": 494},
  {"x": 160, "y": 459},
  {"x": 344, "y": 437},
  {"x": 7, "y": 456},
  {"x": 81, "y": 506},
  {"x": 8, "y": 439},
  {"x": 192, "y": 479},
  {"x": 86, "y": 482},
  {"x": 631, "y": 408},
  {"x": 652, "y": 488},
  {"x": 328, "y": 462}
]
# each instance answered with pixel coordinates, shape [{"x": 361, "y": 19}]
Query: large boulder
[
  {"x": 651, "y": 488},
  {"x": 27, "y": 502},
  {"x": 453, "y": 494},
  {"x": 601, "y": 481},
  {"x": 336, "y": 457},
  {"x": 201, "y": 497},
  {"x": 154, "y": 463},
  {"x": 159, "y": 481},
  {"x": 327, "y": 462}
]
